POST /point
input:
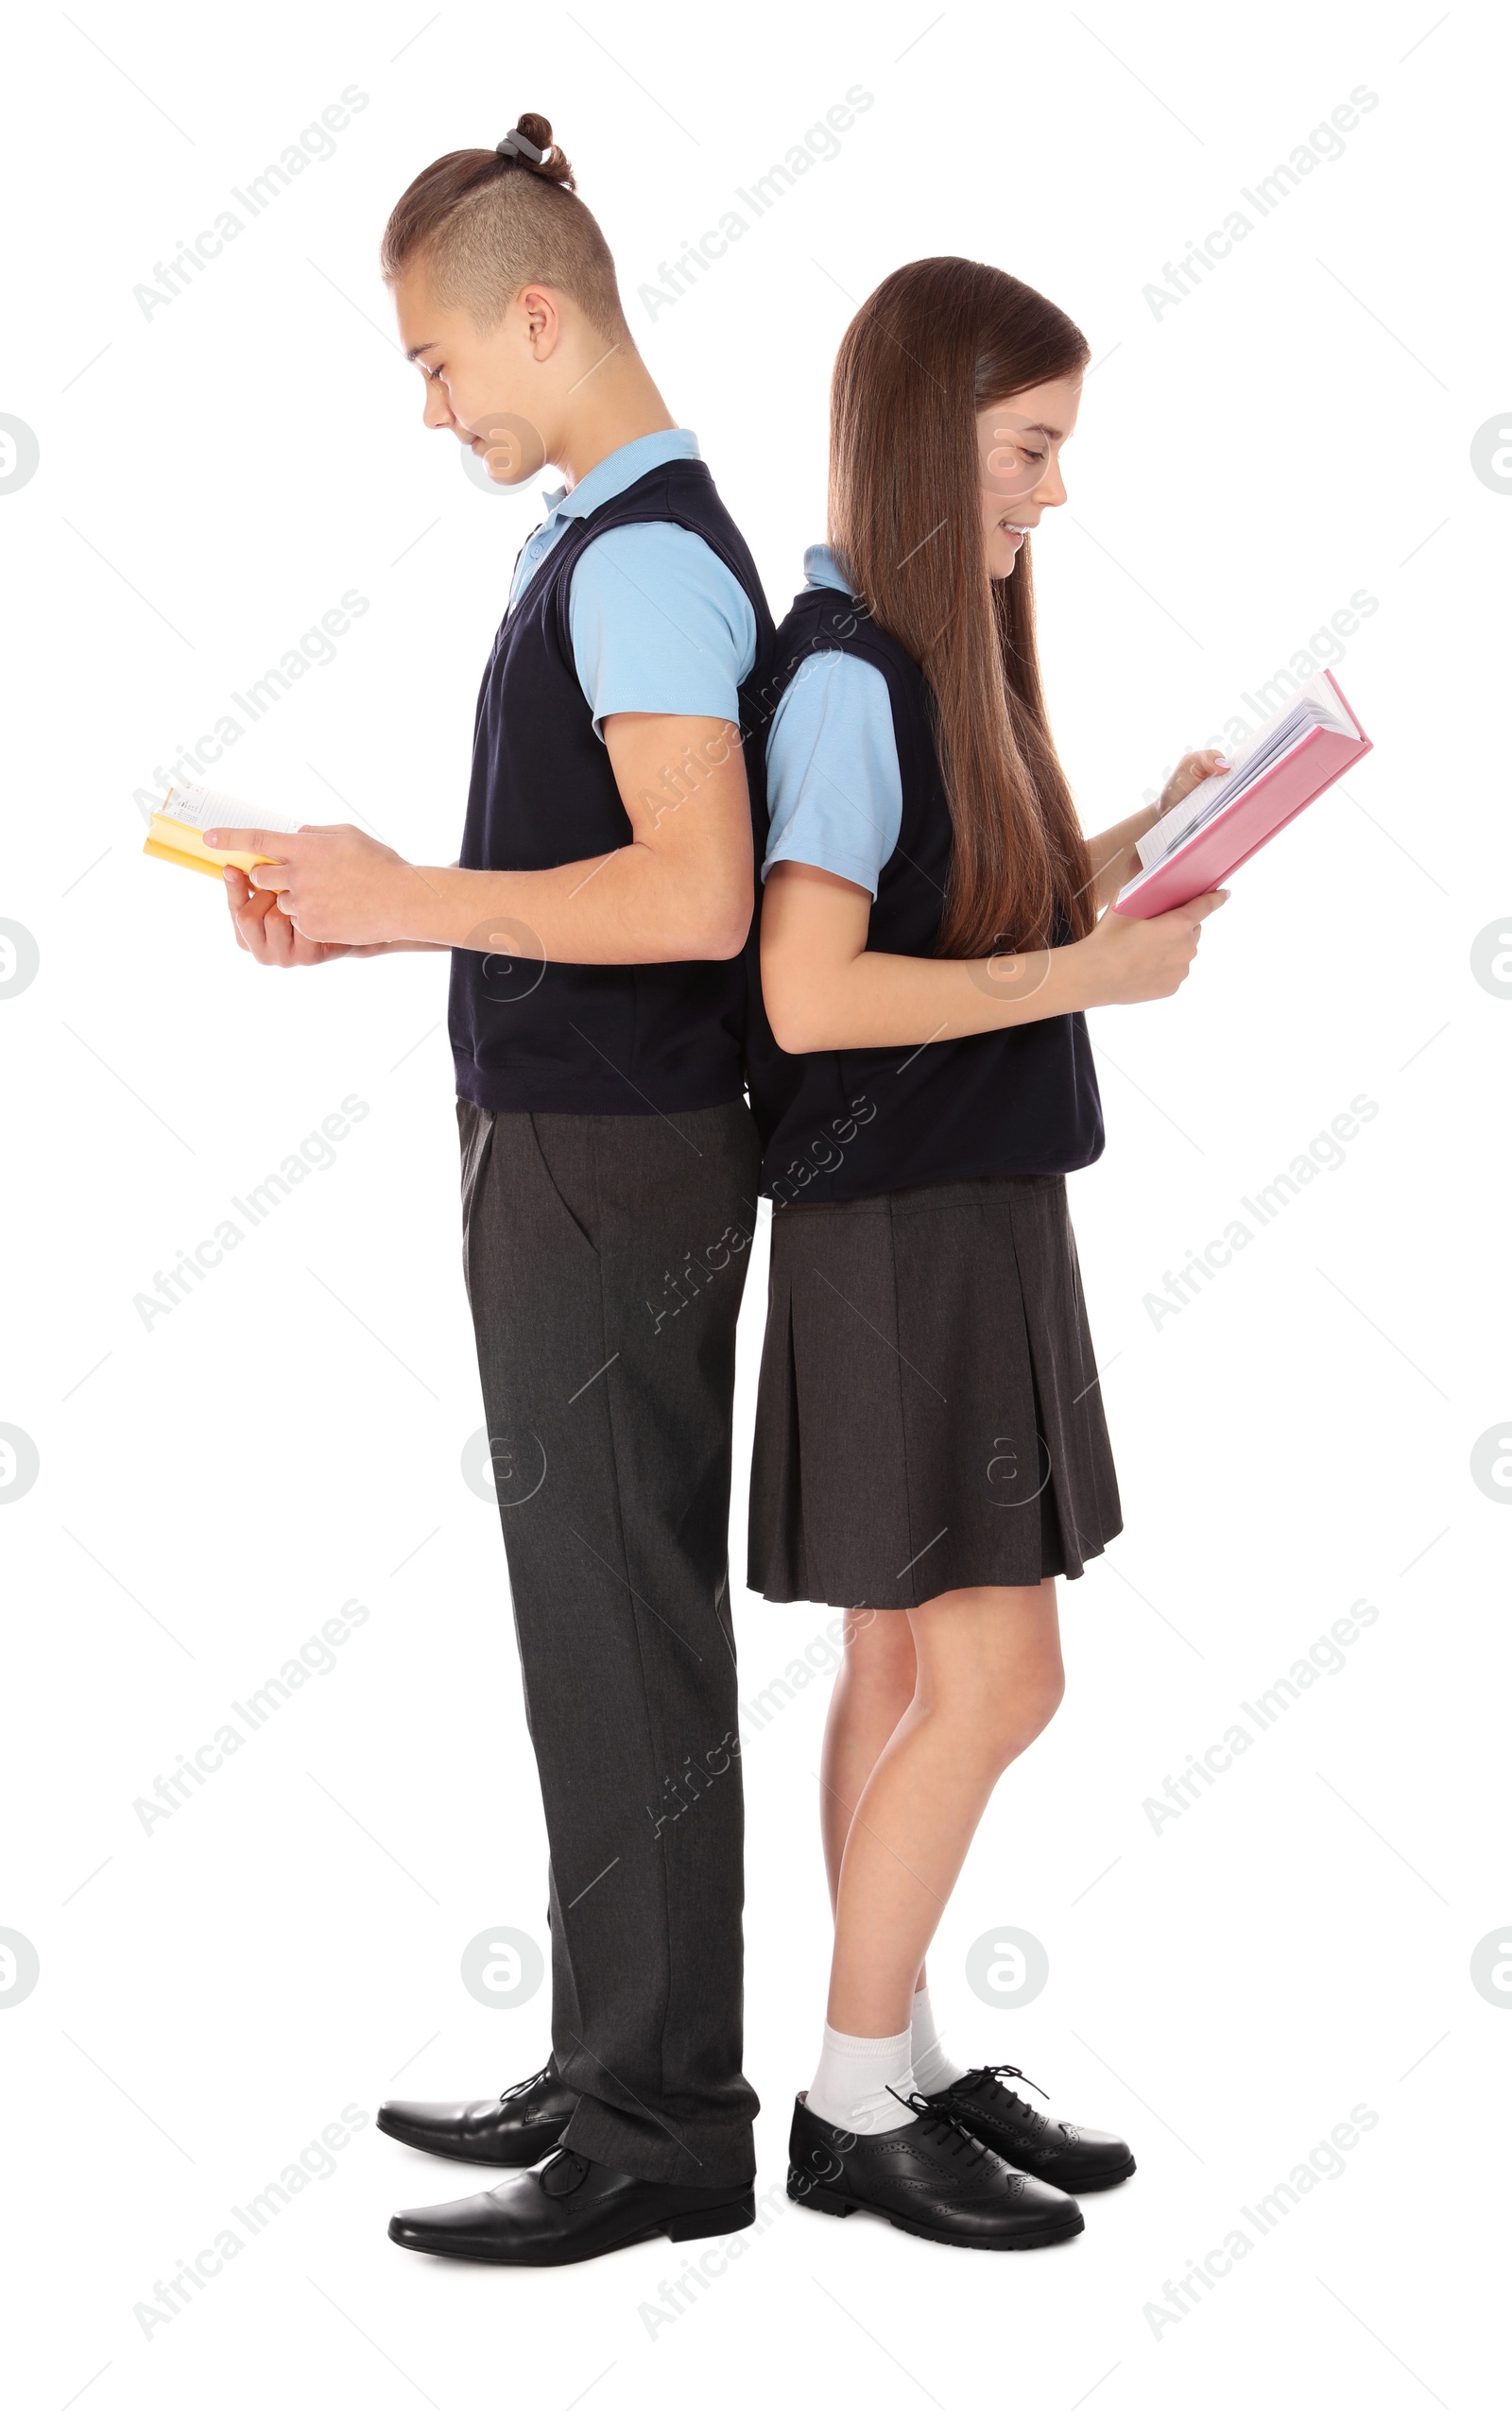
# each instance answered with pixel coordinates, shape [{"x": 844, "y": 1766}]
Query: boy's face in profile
[{"x": 489, "y": 388}]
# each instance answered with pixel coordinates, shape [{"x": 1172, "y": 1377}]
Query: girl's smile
[{"x": 1019, "y": 443}]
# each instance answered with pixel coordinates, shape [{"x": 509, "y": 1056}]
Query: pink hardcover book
[{"x": 1197, "y": 845}]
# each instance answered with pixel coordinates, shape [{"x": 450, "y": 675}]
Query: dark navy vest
[
  {"x": 568, "y": 1038},
  {"x": 836, "y": 1126}
]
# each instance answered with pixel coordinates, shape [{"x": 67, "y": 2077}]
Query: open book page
[
  {"x": 196, "y": 804},
  {"x": 1316, "y": 704}
]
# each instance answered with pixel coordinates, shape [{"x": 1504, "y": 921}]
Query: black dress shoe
[
  {"x": 518, "y": 2127},
  {"x": 1059, "y": 2150},
  {"x": 570, "y": 2210},
  {"x": 929, "y": 2176}
]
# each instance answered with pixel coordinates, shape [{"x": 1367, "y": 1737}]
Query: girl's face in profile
[{"x": 1017, "y": 443}]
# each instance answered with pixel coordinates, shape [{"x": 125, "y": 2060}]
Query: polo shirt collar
[
  {"x": 620, "y": 470},
  {"x": 824, "y": 568}
]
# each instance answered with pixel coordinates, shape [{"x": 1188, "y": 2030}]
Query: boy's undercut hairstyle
[{"x": 487, "y": 223}]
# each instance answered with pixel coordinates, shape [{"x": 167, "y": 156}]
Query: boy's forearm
[
  {"x": 371, "y": 951},
  {"x": 628, "y": 908},
  {"x": 376, "y": 951}
]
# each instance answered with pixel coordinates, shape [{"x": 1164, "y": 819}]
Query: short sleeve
[
  {"x": 660, "y": 626},
  {"x": 834, "y": 789}
]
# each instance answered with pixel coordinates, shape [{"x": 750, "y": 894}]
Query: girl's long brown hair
[{"x": 937, "y": 342}]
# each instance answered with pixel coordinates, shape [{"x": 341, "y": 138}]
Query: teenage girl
[{"x": 930, "y": 1450}]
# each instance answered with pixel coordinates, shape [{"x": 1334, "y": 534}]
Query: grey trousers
[{"x": 605, "y": 1258}]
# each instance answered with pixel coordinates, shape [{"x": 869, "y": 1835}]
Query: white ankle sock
[
  {"x": 932, "y": 2066},
  {"x": 851, "y": 2084}
]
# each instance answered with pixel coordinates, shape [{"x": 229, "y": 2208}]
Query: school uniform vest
[
  {"x": 558, "y": 1037},
  {"x": 836, "y": 1126}
]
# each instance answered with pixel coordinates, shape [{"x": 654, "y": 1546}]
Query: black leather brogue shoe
[
  {"x": 1060, "y": 2152},
  {"x": 929, "y": 2176}
]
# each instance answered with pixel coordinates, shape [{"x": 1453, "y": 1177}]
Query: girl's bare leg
[{"x": 988, "y": 1679}]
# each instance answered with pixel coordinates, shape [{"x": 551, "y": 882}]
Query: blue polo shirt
[
  {"x": 834, "y": 788},
  {"x": 660, "y": 626}
]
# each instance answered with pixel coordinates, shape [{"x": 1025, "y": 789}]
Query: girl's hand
[
  {"x": 1195, "y": 768},
  {"x": 1145, "y": 959}
]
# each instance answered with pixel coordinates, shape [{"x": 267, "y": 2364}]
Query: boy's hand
[
  {"x": 332, "y": 886},
  {"x": 261, "y": 928}
]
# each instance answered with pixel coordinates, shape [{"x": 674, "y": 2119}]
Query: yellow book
[{"x": 178, "y": 829}]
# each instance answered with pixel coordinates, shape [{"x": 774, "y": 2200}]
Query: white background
[{"x": 214, "y": 1485}]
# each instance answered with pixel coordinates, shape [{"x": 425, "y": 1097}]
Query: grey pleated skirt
[{"x": 929, "y": 1417}]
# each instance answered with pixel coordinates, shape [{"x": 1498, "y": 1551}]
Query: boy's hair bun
[
  {"x": 486, "y": 222},
  {"x": 528, "y": 145}
]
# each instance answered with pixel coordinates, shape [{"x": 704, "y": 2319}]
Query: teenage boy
[{"x": 596, "y": 920}]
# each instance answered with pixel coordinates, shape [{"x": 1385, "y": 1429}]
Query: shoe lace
[
  {"x": 522, "y": 2086},
  {"x": 970, "y": 2146},
  {"x": 564, "y": 2170},
  {"x": 1003, "y": 2071}
]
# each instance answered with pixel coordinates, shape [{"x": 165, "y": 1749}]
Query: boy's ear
[{"x": 542, "y": 319}]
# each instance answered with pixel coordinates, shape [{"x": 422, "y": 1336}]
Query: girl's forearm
[
  {"x": 880, "y": 999},
  {"x": 1113, "y": 856}
]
